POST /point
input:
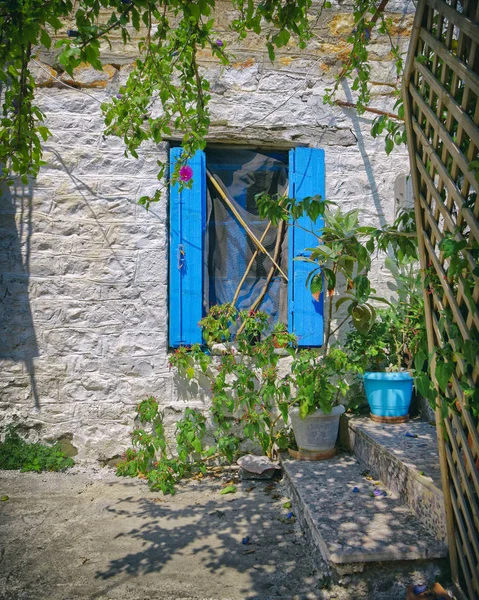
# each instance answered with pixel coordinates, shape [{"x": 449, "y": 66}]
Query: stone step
[
  {"x": 376, "y": 539},
  {"x": 407, "y": 464}
]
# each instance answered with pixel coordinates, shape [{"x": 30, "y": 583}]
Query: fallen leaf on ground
[
  {"x": 249, "y": 552},
  {"x": 250, "y": 488},
  {"x": 4, "y": 498},
  {"x": 287, "y": 504},
  {"x": 229, "y": 489}
]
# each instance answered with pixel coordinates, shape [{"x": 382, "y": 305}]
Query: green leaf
[
  {"x": 471, "y": 350},
  {"x": 229, "y": 489},
  {"x": 451, "y": 247},
  {"x": 283, "y": 408},
  {"x": 44, "y": 132},
  {"x": 281, "y": 38},
  {"x": 423, "y": 385},
  {"x": 54, "y": 21},
  {"x": 316, "y": 284},
  {"x": 45, "y": 39},
  {"x": 389, "y": 145},
  {"x": 419, "y": 360},
  {"x": 341, "y": 301},
  {"x": 271, "y": 53},
  {"x": 443, "y": 373},
  {"x": 363, "y": 287},
  {"x": 330, "y": 278},
  {"x": 303, "y": 410}
]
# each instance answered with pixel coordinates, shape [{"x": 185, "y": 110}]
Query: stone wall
[{"x": 83, "y": 268}]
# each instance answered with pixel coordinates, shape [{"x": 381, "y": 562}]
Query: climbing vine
[{"x": 166, "y": 91}]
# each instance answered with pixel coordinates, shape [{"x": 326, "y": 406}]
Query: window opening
[{"x": 235, "y": 269}]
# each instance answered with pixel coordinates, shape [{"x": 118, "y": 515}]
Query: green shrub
[{"x": 16, "y": 453}]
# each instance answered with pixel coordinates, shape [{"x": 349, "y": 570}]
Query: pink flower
[{"x": 186, "y": 173}]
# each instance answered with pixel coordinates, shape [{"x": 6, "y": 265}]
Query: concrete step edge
[
  {"x": 419, "y": 492},
  {"x": 353, "y": 561}
]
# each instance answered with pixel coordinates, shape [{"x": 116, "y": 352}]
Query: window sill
[{"x": 222, "y": 349}]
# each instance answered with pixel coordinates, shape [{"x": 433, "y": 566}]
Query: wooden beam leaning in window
[
  {"x": 277, "y": 250},
  {"x": 230, "y": 205},
  {"x": 250, "y": 264}
]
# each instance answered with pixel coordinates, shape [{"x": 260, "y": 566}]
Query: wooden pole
[
  {"x": 451, "y": 534},
  {"x": 231, "y": 206},
  {"x": 277, "y": 250},
  {"x": 250, "y": 264}
]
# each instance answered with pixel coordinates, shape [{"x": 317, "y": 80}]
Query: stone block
[
  {"x": 65, "y": 341},
  {"x": 18, "y": 342},
  {"x": 134, "y": 342},
  {"x": 151, "y": 266},
  {"x": 242, "y": 76},
  {"x": 43, "y": 74},
  {"x": 104, "y": 266},
  {"x": 138, "y": 313},
  {"x": 111, "y": 163},
  {"x": 95, "y": 442},
  {"x": 144, "y": 293},
  {"x": 93, "y": 387},
  {"x": 149, "y": 235},
  {"x": 100, "y": 209},
  {"x": 86, "y": 76},
  {"x": 125, "y": 72},
  {"x": 71, "y": 102},
  {"x": 279, "y": 82}
]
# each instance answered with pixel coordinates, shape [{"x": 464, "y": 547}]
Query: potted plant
[
  {"x": 393, "y": 352},
  {"x": 320, "y": 382},
  {"x": 387, "y": 386},
  {"x": 319, "y": 377}
]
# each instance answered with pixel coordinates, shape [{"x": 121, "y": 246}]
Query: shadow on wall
[
  {"x": 356, "y": 121},
  {"x": 18, "y": 342}
]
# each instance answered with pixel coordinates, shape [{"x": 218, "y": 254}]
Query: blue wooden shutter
[
  {"x": 187, "y": 229},
  {"x": 306, "y": 178}
]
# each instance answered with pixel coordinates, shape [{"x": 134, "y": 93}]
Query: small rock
[{"x": 257, "y": 467}]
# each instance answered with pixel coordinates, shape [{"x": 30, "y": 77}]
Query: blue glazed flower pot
[{"x": 388, "y": 394}]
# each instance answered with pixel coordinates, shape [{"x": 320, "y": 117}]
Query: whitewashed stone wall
[{"x": 83, "y": 268}]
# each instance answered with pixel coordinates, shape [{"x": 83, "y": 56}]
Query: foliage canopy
[{"x": 166, "y": 91}]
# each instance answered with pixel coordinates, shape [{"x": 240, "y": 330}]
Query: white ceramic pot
[{"x": 318, "y": 431}]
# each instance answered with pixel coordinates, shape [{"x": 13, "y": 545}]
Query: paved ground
[{"x": 93, "y": 535}]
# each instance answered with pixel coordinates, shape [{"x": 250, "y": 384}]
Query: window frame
[{"x": 187, "y": 211}]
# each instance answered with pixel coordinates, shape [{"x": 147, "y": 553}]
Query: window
[{"x": 210, "y": 249}]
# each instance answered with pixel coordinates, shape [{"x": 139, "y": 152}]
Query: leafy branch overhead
[{"x": 166, "y": 92}]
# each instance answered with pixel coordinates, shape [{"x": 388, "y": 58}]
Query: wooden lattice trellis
[{"x": 441, "y": 90}]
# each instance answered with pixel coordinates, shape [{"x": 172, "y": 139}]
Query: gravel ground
[{"x": 89, "y": 534}]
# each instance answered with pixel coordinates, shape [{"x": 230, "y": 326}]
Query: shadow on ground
[{"x": 71, "y": 537}]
